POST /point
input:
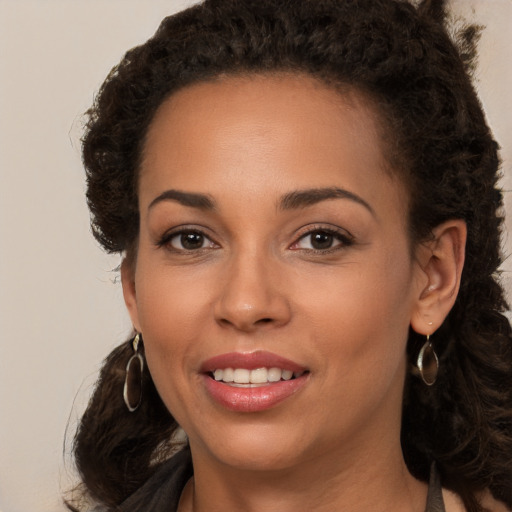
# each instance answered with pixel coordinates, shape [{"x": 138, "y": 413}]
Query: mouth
[
  {"x": 245, "y": 378},
  {"x": 252, "y": 382}
]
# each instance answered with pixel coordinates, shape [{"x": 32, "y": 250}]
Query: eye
[
  {"x": 321, "y": 240},
  {"x": 318, "y": 240},
  {"x": 189, "y": 240}
]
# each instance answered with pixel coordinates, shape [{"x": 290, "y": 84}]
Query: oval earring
[
  {"x": 132, "y": 390},
  {"x": 428, "y": 363}
]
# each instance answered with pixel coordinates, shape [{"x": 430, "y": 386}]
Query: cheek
[
  {"x": 173, "y": 323},
  {"x": 169, "y": 303},
  {"x": 361, "y": 316},
  {"x": 168, "y": 319}
]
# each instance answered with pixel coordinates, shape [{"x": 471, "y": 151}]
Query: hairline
[{"x": 395, "y": 165}]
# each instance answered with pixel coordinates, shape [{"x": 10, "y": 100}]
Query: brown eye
[
  {"x": 321, "y": 240},
  {"x": 189, "y": 241}
]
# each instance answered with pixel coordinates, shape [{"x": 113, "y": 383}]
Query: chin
[{"x": 254, "y": 449}]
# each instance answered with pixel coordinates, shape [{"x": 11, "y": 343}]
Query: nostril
[{"x": 245, "y": 324}]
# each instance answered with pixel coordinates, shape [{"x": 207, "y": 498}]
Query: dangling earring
[
  {"x": 428, "y": 363},
  {"x": 132, "y": 391}
]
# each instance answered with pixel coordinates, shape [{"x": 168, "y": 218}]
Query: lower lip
[{"x": 253, "y": 399}]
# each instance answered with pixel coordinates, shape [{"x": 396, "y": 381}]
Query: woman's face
[{"x": 273, "y": 242}]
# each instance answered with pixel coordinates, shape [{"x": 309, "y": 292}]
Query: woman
[{"x": 305, "y": 196}]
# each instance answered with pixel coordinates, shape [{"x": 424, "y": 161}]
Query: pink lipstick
[{"x": 251, "y": 382}]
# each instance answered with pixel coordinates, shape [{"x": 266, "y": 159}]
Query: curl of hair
[
  {"x": 115, "y": 449},
  {"x": 402, "y": 57}
]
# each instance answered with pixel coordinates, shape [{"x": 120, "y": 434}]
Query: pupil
[
  {"x": 321, "y": 240},
  {"x": 192, "y": 240}
]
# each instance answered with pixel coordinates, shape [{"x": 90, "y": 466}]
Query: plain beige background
[{"x": 61, "y": 308}]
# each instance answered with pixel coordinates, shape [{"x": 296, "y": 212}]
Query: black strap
[{"x": 435, "y": 502}]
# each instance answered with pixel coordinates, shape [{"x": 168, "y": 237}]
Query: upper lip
[{"x": 250, "y": 361}]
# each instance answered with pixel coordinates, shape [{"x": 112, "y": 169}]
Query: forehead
[
  {"x": 290, "y": 128},
  {"x": 259, "y": 103}
]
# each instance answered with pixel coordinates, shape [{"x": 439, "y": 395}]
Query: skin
[{"x": 256, "y": 283}]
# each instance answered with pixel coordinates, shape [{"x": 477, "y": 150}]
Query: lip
[
  {"x": 251, "y": 399},
  {"x": 250, "y": 361}
]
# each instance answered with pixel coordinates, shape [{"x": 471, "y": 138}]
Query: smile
[
  {"x": 242, "y": 377},
  {"x": 252, "y": 382}
]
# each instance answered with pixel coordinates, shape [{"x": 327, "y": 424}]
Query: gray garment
[
  {"x": 161, "y": 493},
  {"x": 435, "y": 501}
]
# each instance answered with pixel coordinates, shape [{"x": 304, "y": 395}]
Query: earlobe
[
  {"x": 440, "y": 260},
  {"x": 129, "y": 293}
]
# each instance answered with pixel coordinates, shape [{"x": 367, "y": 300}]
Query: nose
[{"x": 252, "y": 295}]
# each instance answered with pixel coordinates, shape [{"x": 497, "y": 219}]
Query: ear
[
  {"x": 440, "y": 261},
  {"x": 129, "y": 294}
]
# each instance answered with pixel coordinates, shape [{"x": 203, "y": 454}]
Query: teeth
[
  {"x": 241, "y": 376},
  {"x": 287, "y": 374},
  {"x": 274, "y": 374},
  {"x": 226, "y": 375},
  {"x": 257, "y": 376}
]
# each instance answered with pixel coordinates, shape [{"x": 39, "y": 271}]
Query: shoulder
[
  {"x": 161, "y": 493},
  {"x": 492, "y": 504},
  {"x": 454, "y": 504}
]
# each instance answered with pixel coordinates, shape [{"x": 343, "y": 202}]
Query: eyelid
[
  {"x": 165, "y": 239},
  {"x": 345, "y": 237}
]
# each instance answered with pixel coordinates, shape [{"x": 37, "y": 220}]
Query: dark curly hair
[{"x": 400, "y": 55}]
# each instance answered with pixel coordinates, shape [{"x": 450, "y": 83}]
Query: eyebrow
[
  {"x": 291, "y": 201},
  {"x": 191, "y": 199},
  {"x": 303, "y": 198}
]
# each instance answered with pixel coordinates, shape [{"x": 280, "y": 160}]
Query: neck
[{"x": 333, "y": 481}]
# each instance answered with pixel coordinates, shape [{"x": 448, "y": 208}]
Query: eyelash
[
  {"x": 166, "y": 239},
  {"x": 345, "y": 240}
]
